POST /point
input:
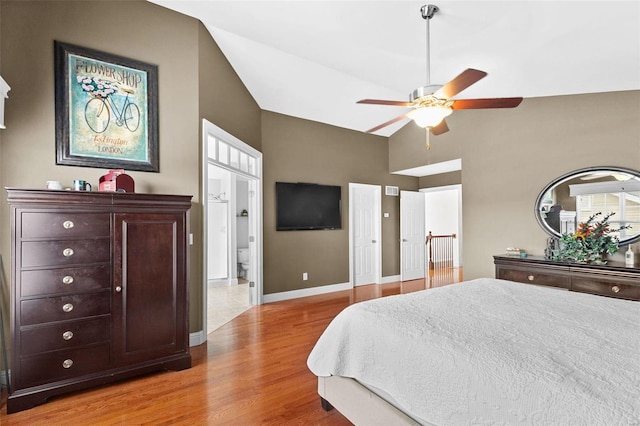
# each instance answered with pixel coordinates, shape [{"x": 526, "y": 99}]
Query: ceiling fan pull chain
[{"x": 427, "y": 132}]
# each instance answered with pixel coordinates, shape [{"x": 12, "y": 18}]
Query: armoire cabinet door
[{"x": 149, "y": 299}]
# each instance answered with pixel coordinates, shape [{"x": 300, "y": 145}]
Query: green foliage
[{"x": 591, "y": 242}]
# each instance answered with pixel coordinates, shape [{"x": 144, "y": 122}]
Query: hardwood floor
[{"x": 251, "y": 371}]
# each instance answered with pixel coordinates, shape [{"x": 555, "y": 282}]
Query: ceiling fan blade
[
  {"x": 383, "y": 102},
  {"x": 486, "y": 103},
  {"x": 458, "y": 84},
  {"x": 440, "y": 128},
  {"x": 387, "y": 123}
]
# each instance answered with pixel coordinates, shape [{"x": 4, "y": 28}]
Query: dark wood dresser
[
  {"x": 613, "y": 279},
  {"x": 99, "y": 289}
]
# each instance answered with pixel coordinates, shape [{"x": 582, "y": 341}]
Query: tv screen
[{"x": 308, "y": 206}]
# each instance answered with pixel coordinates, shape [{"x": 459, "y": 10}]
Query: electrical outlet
[{"x": 305, "y": 276}]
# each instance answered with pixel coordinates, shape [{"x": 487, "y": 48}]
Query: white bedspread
[{"x": 493, "y": 352}]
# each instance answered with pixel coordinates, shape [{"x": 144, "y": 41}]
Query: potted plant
[{"x": 591, "y": 242}]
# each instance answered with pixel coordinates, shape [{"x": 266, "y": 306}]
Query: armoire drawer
[
  {"x": 50, "y": 309},
  {"x": 65, "y": 280},
  {"x": 65, "y": 252},
  {"x": 63, "y": 364},
  {"x": 65, "y": 335},
  {"x": 64, "y": 225},
  {"x": 535, "y": 276}
]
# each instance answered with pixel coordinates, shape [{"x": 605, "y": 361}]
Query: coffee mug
[
  {"x": 54, "y": 184},
  {"x": 81, "y": 185}
]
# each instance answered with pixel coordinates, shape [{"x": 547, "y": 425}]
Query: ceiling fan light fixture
[
  {"x": 429, "y": 116},
  {"x": 433, "y": 103}
]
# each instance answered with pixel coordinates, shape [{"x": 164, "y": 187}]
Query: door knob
[
  {"x": 118, "y": 289},
  {"x": 373, "y": 241}
]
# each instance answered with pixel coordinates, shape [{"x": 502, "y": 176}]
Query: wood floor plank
[{"x": 251, "y": 371}]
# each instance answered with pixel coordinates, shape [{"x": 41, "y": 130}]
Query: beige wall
[
  {"x": 508, "y": 156},
  {"x": 296, "y": 150},
  {"x": 223, "y": 98},
  {"x": 190, "y": 80}
]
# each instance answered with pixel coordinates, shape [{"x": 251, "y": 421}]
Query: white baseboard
[
  {"x": 390, "y": 279},
  {"x": 223, "y": 281},
  {"x": 197, "y": 338},
  {"x": 313, "y": 291}
]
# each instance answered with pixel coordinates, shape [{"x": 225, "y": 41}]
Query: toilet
[{"x": 243, "y": 262}]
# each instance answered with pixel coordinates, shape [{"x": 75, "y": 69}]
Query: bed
[{"x": 483, "y": 352}]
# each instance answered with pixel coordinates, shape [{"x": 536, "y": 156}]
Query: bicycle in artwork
[{"x": 102, "y": 106}]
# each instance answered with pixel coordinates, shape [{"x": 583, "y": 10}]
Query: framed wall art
[{"x": 106, "y": 110}]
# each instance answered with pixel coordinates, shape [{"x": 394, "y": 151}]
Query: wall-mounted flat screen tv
[{"x": 302, "y": 206}]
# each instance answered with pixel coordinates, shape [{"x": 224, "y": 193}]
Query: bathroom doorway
[{"x": 232, "y": 217}]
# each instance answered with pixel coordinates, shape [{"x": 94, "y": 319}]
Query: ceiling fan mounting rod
[{"x": 428, "y": 11}]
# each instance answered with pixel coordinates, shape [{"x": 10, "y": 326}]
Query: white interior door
[
  {"x": 412, "y": 237},
  {"x": 365, "y": 233},
  {"x": 254, "y": 252}
]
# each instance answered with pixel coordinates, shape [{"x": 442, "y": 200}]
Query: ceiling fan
[{"x": 432, "y": 103}]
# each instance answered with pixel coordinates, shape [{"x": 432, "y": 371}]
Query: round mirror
[{"x": 572, "y": 198}]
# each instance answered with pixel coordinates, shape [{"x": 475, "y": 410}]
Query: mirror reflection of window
[{"x": 588, "y": 191}]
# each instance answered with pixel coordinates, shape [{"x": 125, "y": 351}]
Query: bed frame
[{"x": 359, "y": 404}]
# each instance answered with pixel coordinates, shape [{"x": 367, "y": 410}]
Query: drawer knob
[
  {"x": 67, "y": 363},
  {"x": 67, "y": 252},
  {"x": 531, "y": 277},
  {"x": 67, "y": 307},
  {"x": 67, "y": 224},
  {"x": 118, "y": 289},
  {"x": 67, "y": 279},
  {"x": 67, "y": 335},
  {"x": 615, "y": 289}
]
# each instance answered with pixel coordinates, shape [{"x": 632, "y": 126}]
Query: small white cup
[{"x": 54, "y": 184}]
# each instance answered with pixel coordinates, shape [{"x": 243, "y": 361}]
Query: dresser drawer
[
  {"x": 613, "y": 287},
  {"x": 65, "y": 335},
  {"x": 68, "y": 252},
  {"x": 64, "y": 225},
  {"x": 67, "y": 280},
  {"x": 534, "y": 276},
  {"x": 50, "y": 309},
  {"x": 63, "y": 364}
]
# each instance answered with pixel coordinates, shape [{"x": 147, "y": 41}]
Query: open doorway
[
  {"x": 232, "y": 217},
  {"x": 228, "y": 254},
  {"x": 443, "y": 227}
]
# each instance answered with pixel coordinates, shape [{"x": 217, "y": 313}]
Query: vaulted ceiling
[{"x": 315, "y": 59}]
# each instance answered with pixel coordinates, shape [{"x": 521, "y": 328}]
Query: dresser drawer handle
[
  {"x": 67, "y": 335},
  {"x": 67, "y": 224},
  {"x": 68, "y": 252},
  {"x": 67, "y": 279},
  {"x": 531, "y": 277},
  {"x": 615, "y": 289},
  {"x": 67, "y": 307},
  {"x": 67, "y": 363}
]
